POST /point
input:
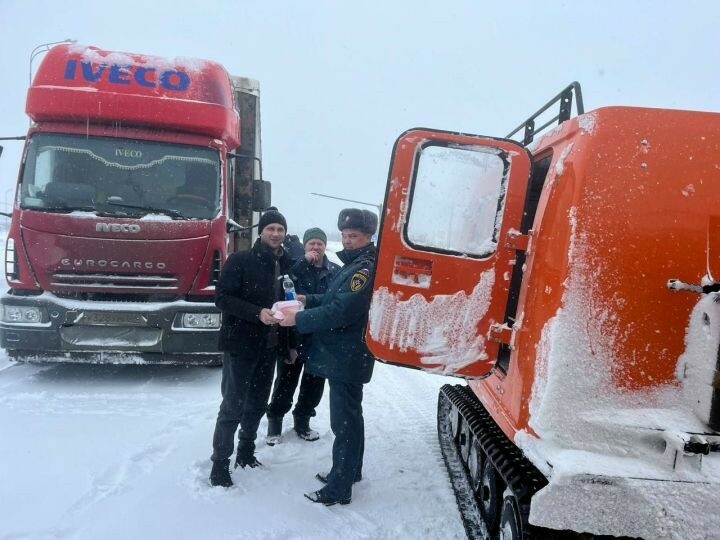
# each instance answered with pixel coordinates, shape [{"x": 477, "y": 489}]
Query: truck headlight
[
  {"x": 200, "y": 320},
  {"x": 21, "y": 314}
]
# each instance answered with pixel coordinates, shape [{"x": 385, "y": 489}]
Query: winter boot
[
  {"x": 220, "y": 474},
  {"x": 274, "y": 432},
  {"x": 247, "y": 461},
  {"x": 328, "y": 500},
  {"x": 246, "y": 455},
  {"x": 302, "y": 428},
  {"x": 323, "y": 477}
]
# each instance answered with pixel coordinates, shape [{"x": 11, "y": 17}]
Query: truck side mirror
[
  {"x": 261, "y": 191},
  {"x": 1, "y": 149}
]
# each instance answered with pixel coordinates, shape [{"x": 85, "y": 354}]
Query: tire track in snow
[
  {"x": 406, "y": 442},
  {"x": 165, "y": 460},
  {"x": 116, "y": 479},
  {"x": 122, "y": 477}
]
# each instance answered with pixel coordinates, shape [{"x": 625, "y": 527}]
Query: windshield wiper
[
  {"x": 60, "y": 209},
  {"x": 149, "y": 209}
]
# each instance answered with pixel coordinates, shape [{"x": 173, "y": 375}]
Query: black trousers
[
  {"x": 286, "y": 381},
  {"x": 348, "y": 426},
  {"x": 245, "y": 387}
]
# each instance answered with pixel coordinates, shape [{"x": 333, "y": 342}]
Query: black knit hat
[
  {"x": 360, "y": 219},
  {"x": 314, "y": 232},
  {"x": 271, "y": 216}
]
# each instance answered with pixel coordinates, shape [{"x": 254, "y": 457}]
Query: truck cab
[{"x": 134, "y": 187}]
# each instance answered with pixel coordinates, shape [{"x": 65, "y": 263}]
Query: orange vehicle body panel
[{"x": 630, "y": 201}]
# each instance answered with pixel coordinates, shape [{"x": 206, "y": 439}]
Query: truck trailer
[
  {"x": 139, "y": 176},
  {"x": 570, "y": 278}
]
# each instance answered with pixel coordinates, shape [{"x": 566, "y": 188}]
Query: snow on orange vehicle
[{"x": 546, "y": 273}]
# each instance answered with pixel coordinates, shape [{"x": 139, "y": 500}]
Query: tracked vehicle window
[
  {"x": 120, "y": 177},
  {"x": 457, "y": 200}
]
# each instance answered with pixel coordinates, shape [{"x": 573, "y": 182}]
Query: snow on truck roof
[{"x": 79, "y": 83}]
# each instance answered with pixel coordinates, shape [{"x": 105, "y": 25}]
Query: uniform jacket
[
  {"x": 337, "y": 321},
  {"x": 247, "y": 284},
  {"x": 310, "y": 279}
]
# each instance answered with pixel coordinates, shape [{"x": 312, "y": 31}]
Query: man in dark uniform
[
  {"x": 337, "y": 322},
  {"x": 312, "y": 274},
  {"x": 251, "y": 342}
]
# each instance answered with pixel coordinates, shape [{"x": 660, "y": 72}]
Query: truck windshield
[{"x": 121, "y": 177}]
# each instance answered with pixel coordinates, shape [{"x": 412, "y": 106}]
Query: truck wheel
[
  {"x": 490, "y": 495},
  {"x": 510, "y": 523}
]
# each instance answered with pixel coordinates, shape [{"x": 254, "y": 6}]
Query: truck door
[{"x": 446, "y": 250}]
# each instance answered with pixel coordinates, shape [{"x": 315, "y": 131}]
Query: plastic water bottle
[{"x": 289, "y": 288}]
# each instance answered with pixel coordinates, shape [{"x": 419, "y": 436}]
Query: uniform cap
[{"x": 357, "y": 218}]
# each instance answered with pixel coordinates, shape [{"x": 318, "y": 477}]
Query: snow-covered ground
[{"x": 122, "y": 451}]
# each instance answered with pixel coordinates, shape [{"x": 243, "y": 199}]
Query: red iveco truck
[
  {"x": 139, "y": 175},
  {"x": 559, "y": 276}
]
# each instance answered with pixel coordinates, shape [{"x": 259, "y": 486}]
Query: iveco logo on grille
[{"x": 117, "y": 227}]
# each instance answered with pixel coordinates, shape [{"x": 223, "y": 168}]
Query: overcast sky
[{"x": 341, "y": 80}]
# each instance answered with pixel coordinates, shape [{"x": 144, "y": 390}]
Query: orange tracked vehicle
[{"x": 548, "y": 274}]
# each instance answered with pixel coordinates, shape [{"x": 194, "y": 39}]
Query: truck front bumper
[{"x": 113, "y": 332}]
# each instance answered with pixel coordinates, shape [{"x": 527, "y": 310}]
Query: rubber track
[
  {"x": 469, "y": 512},
  {"x": 521, "y": 476}
]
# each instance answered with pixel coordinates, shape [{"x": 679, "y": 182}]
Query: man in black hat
[
  {"x": 251, "y": 342},
  {"x": 312, "y": 274},
  {"x": 337, "y": 321}
]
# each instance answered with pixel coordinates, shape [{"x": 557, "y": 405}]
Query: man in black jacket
[
  {"x": 312, "y": 274},
  {"x": 338, "y": 352},
  {"x": 251, "y": 342}
]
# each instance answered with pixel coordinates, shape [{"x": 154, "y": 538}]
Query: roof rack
[{"x": 565, "y": 97}]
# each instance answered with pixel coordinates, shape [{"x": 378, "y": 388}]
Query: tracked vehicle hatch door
[{"x": 447, "y": 246}]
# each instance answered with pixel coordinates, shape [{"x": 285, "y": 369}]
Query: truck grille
[{"x": 94, "y": 281}]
